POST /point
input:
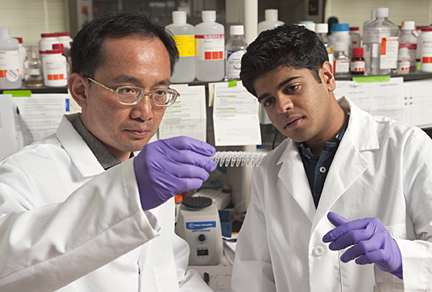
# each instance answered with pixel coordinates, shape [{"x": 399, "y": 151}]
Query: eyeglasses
[{"x": 130, "y": 95}]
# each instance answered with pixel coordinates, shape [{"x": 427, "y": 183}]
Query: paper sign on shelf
[
  {"x": 235, "y": 116},
  {"x": 187, "y": 116}
]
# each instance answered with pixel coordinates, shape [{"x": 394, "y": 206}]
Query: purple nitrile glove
[
  {"x": 167, "y": 167},
  {"x": 372, "y": 243}
]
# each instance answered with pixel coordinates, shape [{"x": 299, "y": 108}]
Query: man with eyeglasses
[{"x": 76, "y": 212}]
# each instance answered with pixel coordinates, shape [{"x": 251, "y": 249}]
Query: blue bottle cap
[{"x": 340, "y": 27}]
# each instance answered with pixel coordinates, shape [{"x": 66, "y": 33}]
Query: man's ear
[
  {"x": 78, "y": 89},
  {"x": 327, "y": 76}
]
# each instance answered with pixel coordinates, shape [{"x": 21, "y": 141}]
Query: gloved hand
[
  {"x": 372, "y": 243},
  {"x": 167, "y": 167}
]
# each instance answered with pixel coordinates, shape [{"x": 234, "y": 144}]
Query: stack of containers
[
  {"x": 408, "y": 40},
  {"x": 184, "y": 36},
  {"x": 340, "y": 33},
  {"x": 321, "y": 29}
]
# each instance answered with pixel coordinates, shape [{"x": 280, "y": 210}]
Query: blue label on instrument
[{"x": 200, "y": 225}]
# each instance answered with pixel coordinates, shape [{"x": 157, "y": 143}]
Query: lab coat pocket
[{"x": 384, "y": 281}]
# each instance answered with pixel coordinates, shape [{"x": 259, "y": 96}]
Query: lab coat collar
[
  {"x": 79, "y": 152},
  {"x": 346, "y": 168}
]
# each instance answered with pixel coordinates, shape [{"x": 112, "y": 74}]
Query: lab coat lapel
[
  {"x": 79, "y": 152},
  {"x": 294, "y": 179},
  {"x": 349, "y": 163}
]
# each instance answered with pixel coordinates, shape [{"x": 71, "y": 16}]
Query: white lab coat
[
  {"x": 67, "y": 224},
  {"x": 381, "y": 169}
]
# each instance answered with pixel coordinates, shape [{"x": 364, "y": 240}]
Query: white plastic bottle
[
  {"x": 184, "y": 36},
  {"x": 340, "y": 31},
  {"x": 65, "y": 39},
  {"x": 47, "y": 40},
  {"x": 342, "y": 62},
  {"x": 10, "y": 77},
  {"x": 321, "y": 29},
  {"x": 271, "y": 20},
  {"x": 235, "y": 49},
  {"x": 426, "y": 51},
  {"x": 210, "y": 47},
  {"x": 420, "y": 45},
  {"x": 54, "y": 69},
  {"x": 404, "y": 61},
  {"x": 355, "y": 37},
  {"x": 408, "y": 40},
  {"x": 381, "y": 42}
]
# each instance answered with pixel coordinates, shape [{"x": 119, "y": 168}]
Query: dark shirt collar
[
  {"x": 102, "y": 154},
  {"x": 306, "y": 150}
]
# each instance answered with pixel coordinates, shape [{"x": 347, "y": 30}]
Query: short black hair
[
  {"x": 290, "y": 46},
  {"x": 86, "y": 47}
]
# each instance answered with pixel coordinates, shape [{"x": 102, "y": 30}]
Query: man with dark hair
[
  {"x": 76, "y": 213},
  {"x": 361, "y": 183}
]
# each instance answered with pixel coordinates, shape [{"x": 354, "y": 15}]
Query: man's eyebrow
[
  {"x": 282, "y": 84},
  {"x": 131, "y": 79}
]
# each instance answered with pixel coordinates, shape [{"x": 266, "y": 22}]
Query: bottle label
[
  {"x": 234, "y": 64},
  {"x": 185, "y": 45},
  {"x": 341, "y": 66},
  {"x": 358, "y": 66},
  {"x": 210, "y": 46},
  {"x": 389, "y": 53},
  {"x": 55, "y": 69},
  {"x": 9, "y": 65},
  {"x": 404, "y": 66}
]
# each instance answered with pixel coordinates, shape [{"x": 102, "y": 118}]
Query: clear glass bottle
[
  {"x": 235, "y": 49},
  {"x": 33, "y": 68},
  {"x": 342, "y": 62}
]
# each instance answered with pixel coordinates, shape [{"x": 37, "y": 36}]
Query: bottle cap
[
  {"x": 340, "y": 27},
  {"x": 357, "y": 53},
  {"x": 321, "y": 28},
  {"x": 354, "y": 28},
  {"x": 179, "y": 17},
  {"x": 209, "y": 15},
  {"x": 4, "y": 31},
  {"x": 178, "y": 198},
  {"x": 408, "y": 25},
  {"x": 271, "y": 14},
  {"x": 60, "y": 34},
  {"x": 426, "y": 28},
  {"x": 308, "y": 25},
  {"x": 237, "y": 30},
  {"x": 339, "y": 46},
  {"x": 20, "y": 40},
  {"x": 382, "y": 12},
  {"x": 48, "y": 35},
  {"x": 58, "y": 47}
]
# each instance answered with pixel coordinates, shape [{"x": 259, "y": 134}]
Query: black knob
[{"x": 201, "y": 237}]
